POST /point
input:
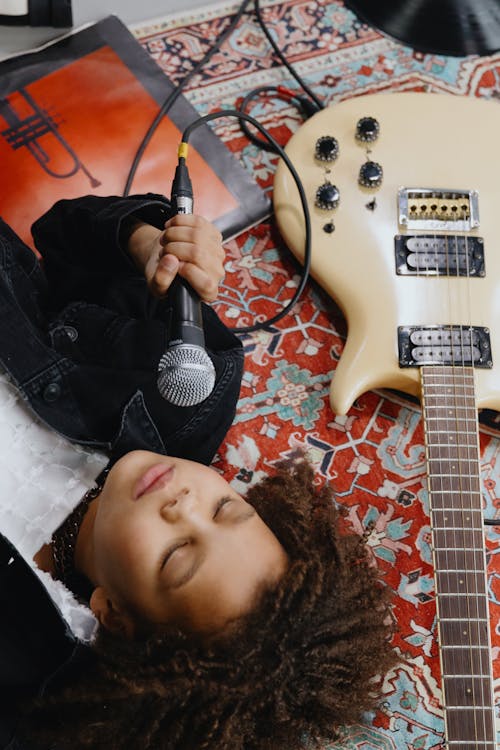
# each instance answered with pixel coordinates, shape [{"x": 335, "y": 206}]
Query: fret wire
[
  {"x": 454, "y": 417},
  {"x": 466, "y": 453},
  {"x": 462, "y": 549},
  {"x": 457, "y": 594},
  {"x": 465, "y": 648},
  {"x": 451, "y": 432},
  {"x": 448, "y": 509},
  {"x": 472, "y": 744},
  {"x": 451, "y": 510},
  {"x": 445, "y": 466},
  {"x": 466, "y": 676},
  {"x": 463, "y": 619},
  {"x": 463, "y": 570},
  {"x": 456, "y": 528},
  {"x": 454, "y": 422},
  {"x": 457, "y": 476},
  {"x": 460, "y": 385},
  {"x": 476, "y": 706},
  {"x": 441, "y": 541}
]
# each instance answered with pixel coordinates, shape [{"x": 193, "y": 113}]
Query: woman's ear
[{"x": 109, "y": 615}]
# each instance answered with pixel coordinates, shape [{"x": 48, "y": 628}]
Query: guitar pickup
[
  {"x": 439, "y": 255},
  {"x": 433, "y": 209},
  {"x": 465, "y": 346}
]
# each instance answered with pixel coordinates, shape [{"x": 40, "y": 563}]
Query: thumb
[{"x": 167, "y": 268}]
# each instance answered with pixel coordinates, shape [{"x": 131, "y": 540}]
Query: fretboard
[{"x": 452, "y": 446}]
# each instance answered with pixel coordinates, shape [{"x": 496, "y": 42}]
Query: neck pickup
[{"x": 463, "y": 346}]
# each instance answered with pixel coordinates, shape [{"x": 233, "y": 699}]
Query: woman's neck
[
  {"x": 44, "y": 559},
  {"x": 83, "y": 548}
]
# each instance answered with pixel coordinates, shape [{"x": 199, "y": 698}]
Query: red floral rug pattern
[{"x": 374, "y": 457}]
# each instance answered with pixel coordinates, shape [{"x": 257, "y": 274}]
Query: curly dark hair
[{"x": 290, "y": 674}]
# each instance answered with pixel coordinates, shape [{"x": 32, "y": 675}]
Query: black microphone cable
[
  {"x": 305, "y": 106},
  {"x": 307, "y": 218},
  {"x": 174, "y": 95},
  {"x": 170, "y": 100},
  {"x": 303, "y": 85},
  {"x": 243, "y": 117}
]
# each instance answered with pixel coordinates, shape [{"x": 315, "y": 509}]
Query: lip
[{"x": 153, "y": 479}]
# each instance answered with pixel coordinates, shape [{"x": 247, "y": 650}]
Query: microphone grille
[{"x": 186, "y": 375}]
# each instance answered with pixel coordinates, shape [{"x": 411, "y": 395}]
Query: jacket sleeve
[{"x": 79, "y": 241}]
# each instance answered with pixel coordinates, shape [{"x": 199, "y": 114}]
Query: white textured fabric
[{"x": 42, "y": 478}]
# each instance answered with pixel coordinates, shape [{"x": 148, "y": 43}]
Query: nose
[{"x": 176, "y": 505}]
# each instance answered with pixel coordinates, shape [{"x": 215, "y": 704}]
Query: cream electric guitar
[{"x": 415, "y": 266}]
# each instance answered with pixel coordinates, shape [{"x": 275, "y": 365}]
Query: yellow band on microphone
[{"x": 183, "y": 150}]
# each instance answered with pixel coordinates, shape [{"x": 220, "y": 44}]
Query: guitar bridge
[
  {"x": 436, "y": 209},
  {"x": 465, "y": 346}
]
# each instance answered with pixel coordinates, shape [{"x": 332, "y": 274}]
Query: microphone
[{"x": 186, "y": 374}]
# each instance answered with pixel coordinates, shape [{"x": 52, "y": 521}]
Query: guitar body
[
  {"x": 425, "y": 141},
  {"x": 417, "y": 275}
]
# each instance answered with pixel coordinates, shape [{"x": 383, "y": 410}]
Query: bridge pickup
[
  {"x": 440, "y": 210},
  {"x": 439, "y": 255},
  {"x": 466, "y": 346}
]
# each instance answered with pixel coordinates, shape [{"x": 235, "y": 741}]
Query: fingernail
[{"x": 169, "y": 262}]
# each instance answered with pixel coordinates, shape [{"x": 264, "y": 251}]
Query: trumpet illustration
[{"x": 26, "y": 131}]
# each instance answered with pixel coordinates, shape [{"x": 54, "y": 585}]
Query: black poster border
[{"x": 22, "y": 70}]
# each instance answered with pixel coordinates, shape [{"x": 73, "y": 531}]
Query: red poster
[{"x": 72, "y": 117}]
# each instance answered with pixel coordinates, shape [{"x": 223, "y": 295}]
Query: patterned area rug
[{"x": 374, "y": 457}]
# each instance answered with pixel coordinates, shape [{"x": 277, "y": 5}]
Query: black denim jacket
[{"x": 81, "y": 336}]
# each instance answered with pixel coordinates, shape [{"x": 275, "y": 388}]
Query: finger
[
  {"x": 182, "y": 223},
  {"x": 195, "y": 236},
  {"x": 205, "y": 284},
  {"x": 208, "y": 258},
  {"x": 189, "y": 220},
  {"x": 167, "y": 268}
]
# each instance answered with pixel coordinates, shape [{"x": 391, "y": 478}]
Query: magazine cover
[{"x": 72, "y": 116}]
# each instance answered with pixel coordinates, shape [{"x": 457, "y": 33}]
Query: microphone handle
[{"x": 187, "y": 328}]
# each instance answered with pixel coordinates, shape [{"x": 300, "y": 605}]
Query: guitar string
[
  {"x": 473, "y": 452},
  {"x": 455, "y": 402},
  {"x": 448, "y": 499},
  {"x": 429, "y": 271},
  {"x": 432, "y": 376},
  {"x": 450, "y": 452},
  {"x": 461, "y": 385}
]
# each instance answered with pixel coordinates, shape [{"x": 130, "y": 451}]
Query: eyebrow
[{"x": 191, "y": 572}]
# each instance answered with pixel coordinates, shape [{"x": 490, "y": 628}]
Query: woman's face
[{"x": 174, "y": 544}]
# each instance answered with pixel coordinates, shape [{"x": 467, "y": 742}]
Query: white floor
[{"x": 15, "y": 39}]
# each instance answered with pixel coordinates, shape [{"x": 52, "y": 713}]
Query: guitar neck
[{"x": 452, "y": 445}]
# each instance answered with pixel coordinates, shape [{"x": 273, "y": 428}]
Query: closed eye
[
  {"x": 170, "y": 552},
  {"x": 241, "y": 512},
  {"x": 220, "y": 504}
]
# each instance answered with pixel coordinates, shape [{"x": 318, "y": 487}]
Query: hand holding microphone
[{"x": 186, "y": 375}]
